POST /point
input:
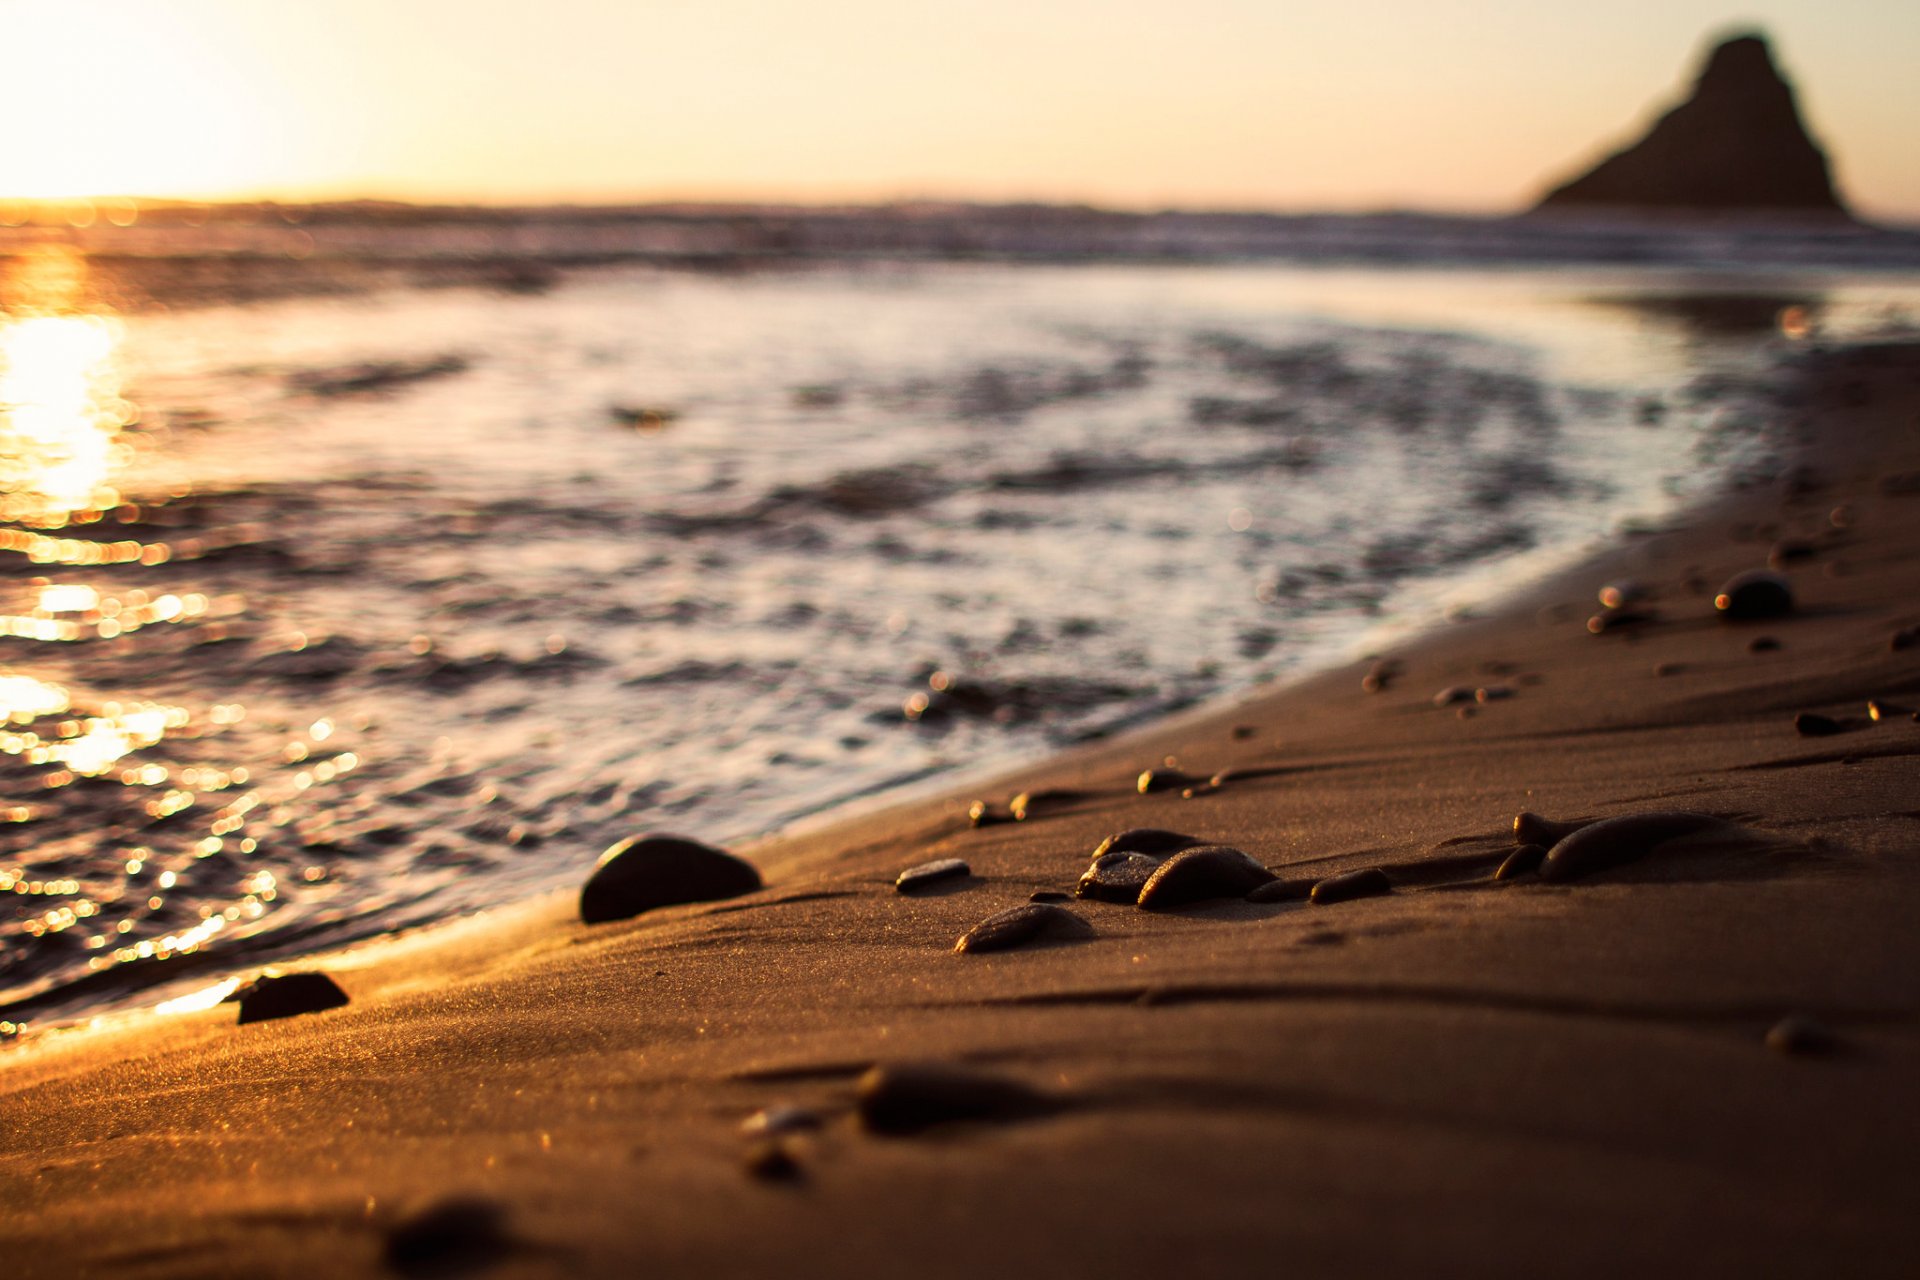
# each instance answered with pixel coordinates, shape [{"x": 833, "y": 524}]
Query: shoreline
[{"x": 1572, "y": 1078}]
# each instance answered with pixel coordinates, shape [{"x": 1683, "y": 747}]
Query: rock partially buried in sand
[
  {"x": 1523, "y": 861},
  {"x": 1117, "y": 877},
  {"x": 1196, "y": 875},
  {"x": 288, "y": 995},
  {"x": 1298, "y": 890},
  {"x": 1811, "y": 724},
  {"x": 1531, "y": 828},
  {"x": 928, "y": 873},
  {"x": 1017, "y": 926},
  {"x": 1799, "y": 1036},
  {"x": 1757, "y": 593},
  {"x": 1148, "y": 840},
  {"x": 1032, "y": 804},
  {"x": 908, "y": 1099},
  {"x": 646, "y": 872},
  {"x": 771, "y": 1160},
  {"x": 456, "y": 1237},
  {"x": 1164, "y": 779},
  {"x": 1615, "y": 842},
  {"x": 1370, "y": 882}
]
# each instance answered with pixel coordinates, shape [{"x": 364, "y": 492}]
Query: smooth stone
[
  {"x": 645, "y": 872},
  {"x": 926, "y": 873},
  {"x": 906, "y": 1099},
  {"x": 1905, "y": 638},
  {"x": 1164, "y": 779},
  {"x": 288, "y": 995},
  {"x": 770, "y": 1160},
  {"x": 1452, "y": 694},
  {"x": 1493, "y": 693},
  {"x": 780, "y": 1118},
  {"x": 1619, "y": 620},
  {"x": 1810, "y": 724},
  {"x": 981, "y": 814},
  {"x": 1049, "y": 895},
  {"x": 1017, "y": 926},
  {"x": 1757, "y": 593},
  {"x": 1531, "y": 828},
  {"x": 1800, "y": 1036},
  {"x": 1370, "y": 882},
  {"x": 451, "y": 1238},
  {"x": 1880, "y": 709},
  {"x": 1284, "y": 891},
  {"x": 1031, "y": 804},
  {"x": 1614, "y": 842},
  {"x": 1523, "y": 861},
  {"x": 1147, "y": 840},
  {"x": 1118, "y": 877},
  {"x": 1195, "y": 875},
  {"x": 1618, "y": 595}
]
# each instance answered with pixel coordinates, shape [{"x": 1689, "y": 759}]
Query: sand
[{"x": 1461, "y": 1076}]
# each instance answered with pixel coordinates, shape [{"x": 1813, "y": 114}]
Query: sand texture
[{"x": 1460, "y": 1076}]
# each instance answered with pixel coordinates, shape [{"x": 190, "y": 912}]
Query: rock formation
[{"x": 1736, "y": 145}]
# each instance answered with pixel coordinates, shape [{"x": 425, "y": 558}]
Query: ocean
[{"x": 327, "y": 615}]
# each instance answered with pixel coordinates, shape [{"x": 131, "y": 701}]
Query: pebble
[
  {"x": 1757, "y": 593},
  {"x": 1810, "y": 724},
  {"x": 1800, "y": 1036},
  {"x": 1298, "y": 890},
  {"x": 780, "y": 1118},
  {"x": 1618, "y": 595},
  {"x": 287, "y": 995},
  {"x": 926, "y": 873},
  {"x": 1241, "y": 732},
  {"x": 1368, "y": 883},
  {"x": 1030, "y": 804},
  {"x": 1379, "y": 676},
  {"x": 1763, "y": 644},
  {"x": 1523, "y": 861},
  {"x": 1613, "y": 842},
  {"x": 454, "y": 1237},
  {"x": 1881, "y": 709},
  {"x": 910, "y": 1098},
  {"x": 1493, "y": 693},
  {"x": 1531, "y": 828},
  {"x": 1453, "y": 693},
  {"x": 1619, "y": 620},
  {"x": 650, "y": 871},
  {"x": 981, "y": 814},
  {"x": 1049, "y": 895},
  {"x": 1118, "y": 877},
  {"x": 771, "y": 1160},
  {"x": 1668, "y": 668},
  {"x": 1017, "y": 926},
  {"x": 1163, "y": 779},
  {"x": 1790, "y": 551},
  {"x": 1905, "y": 638},
  {"x": 1147, "y": 840},
  {"x": 1195, "y": 875}
]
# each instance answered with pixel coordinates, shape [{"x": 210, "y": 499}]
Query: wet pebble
[
  {"x": 459, "y": 1236},
  {"x": 1017, "y": 926},
  {"x": 771, "y": 1160},
  {"x": 926, "y": 873},
  {"x": 1531, "y": 828},
  {"x": 1118, "y": 877},
  {"x": 907, "y": 1099},
  {"x": 1614, "y": 842},
  {"x": 1368, "y": 883},
  {"x": 1151, "y": 840},
  {"x": 1800, "y": 1036},
  {"x": 1757, "y": 593},
  {"x": 1523, "y": 861},
  {"x": 288, "y": 995},
  {"x": 1196, "y": 875},
  {"x": 1810, "y": 724},
  {"x": 1296, "y": 890},
  {"x": 646, "y": 872}
]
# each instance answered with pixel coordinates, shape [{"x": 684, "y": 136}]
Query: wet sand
[{"x": 1698, "y": 1061}]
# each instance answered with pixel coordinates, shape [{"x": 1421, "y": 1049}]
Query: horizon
[{"x": 1223, "y": 109}]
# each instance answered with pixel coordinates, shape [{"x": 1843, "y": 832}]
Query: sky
[{"x": 1341, "y": 105}]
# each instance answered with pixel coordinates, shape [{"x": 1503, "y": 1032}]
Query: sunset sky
[{"x": 1284, "y": 104}]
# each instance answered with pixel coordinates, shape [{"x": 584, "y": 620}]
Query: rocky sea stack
[{"x": 1735, "y": 146}]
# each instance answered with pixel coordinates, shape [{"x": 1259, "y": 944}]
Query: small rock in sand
[
  {"x": 1810, "y": 724},
  {"x": 1881, "y": 709},
  {"x": 287, "y": 995},
  {"x": 645, "y": 872},
  {"x": 1147, "y": 840},
  {"x": 981, "y": 814},
  {"x": 1531, "y": 828},
  {"x": 1031, "y": 804},
  {"x": 1523, "y": 861},
  {"x": 1163, "y": 779},
  {"x": 780, "y": 1118},
  {"x": 1614, "y": 842},
  {"x": 1453, "y": 694},
  {"x": 1370, "y": 882},
  {"x": 1118, "y": 877},
  {"x": 1241, "y": 732},
  {"x": 771, "y": 1160},
  {"x": 910, "y": 1098},
  {"x": 1195, "y": 875},
  {"x": 1049, "y": 895},
  {"x": 1905, "y": 638},
  {"x": 1298, "y": 890},
  {"x": 1379, "y": 676},
  {"x": 458, "y": 1236},
  {"x": 1799, "y": 1036},
  {"x": 1613, "y": 620},
  {"x": 1017, "y": 926},
  {"x": 1757, "y": 593},
  {"x": 926, "y": 873}
]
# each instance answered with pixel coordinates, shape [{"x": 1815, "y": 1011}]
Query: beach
[{"x": 1462, "y": 1075}]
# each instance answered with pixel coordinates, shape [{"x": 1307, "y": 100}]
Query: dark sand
[{"x": 1459, "y": 1077}]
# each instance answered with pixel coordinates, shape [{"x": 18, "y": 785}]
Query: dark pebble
[
  {"x": 652, "y": 871},
  {"x": 1523, "y": 861},
  {"x": 1790, "y": 551},
  {"x": 1211, "y": 871},
  {"x": 1163, "y": 779},
  {"x": 1905, "y": 638},
  {"x": 1368, "y": 883},
  {"x": 1241, "y": 732},
  {"x": 1493, "y": 693},
  {"x": 909, "y": 1099},
  {"x": 926, "y": 873},
  {"x": 1284, "y": 891},
  {"x": 1800, "y": 1036},
  {"x": 287, "y": 996},
  {"x": 1379, "y": 676},
  {"x": 1811, "y": 724},
  {"x": 771, "y": 1160},
  {"x": 1147, "y": 840},
  {"x": 1613, "y": 620},
  {"x": 1757, "y": 593},
  {"x": 1668, "y": 668},
  {"x": 454, "y": 1237},
  {"x": 1881, "y": 709},
  {"x": 1763, "y": 644},
  {"x": 1118, "y": 877},
  {"x": 1452, "y": 694},
  {"x": 1616, "y": 841},
  {"x": 1531, "y": 828},
  {"x": 1017, "y": 926}
]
